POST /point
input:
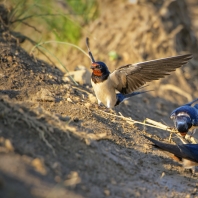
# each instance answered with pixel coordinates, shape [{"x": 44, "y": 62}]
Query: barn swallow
[
  {"x": 186, "y": 154},
  {"x": 128, "y": 78},
  {"x": 185, "y": 118}
]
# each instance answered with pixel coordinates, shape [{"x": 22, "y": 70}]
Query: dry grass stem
[{"x": 153, "y": 123}]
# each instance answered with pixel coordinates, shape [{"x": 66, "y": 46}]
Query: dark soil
[{"x": 55, "y": 142}]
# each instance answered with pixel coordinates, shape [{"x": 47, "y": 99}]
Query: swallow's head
[
  {"x": 182, "y": 122},
  {"x": 99, "y": 69}
]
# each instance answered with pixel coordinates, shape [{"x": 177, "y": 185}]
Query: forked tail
[{"x": 89, "y": 51}]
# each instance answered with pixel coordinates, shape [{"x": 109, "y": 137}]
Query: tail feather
[
  {"x": 191, "y": 103},
  {"x": 186, "y": 151},
  {"x": 135, "y": 93},
  {"x": 121, "y": 97},
  {"x": 164, "y": 146}
]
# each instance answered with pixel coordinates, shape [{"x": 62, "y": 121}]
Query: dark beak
[{"x": 92, "y": 67}]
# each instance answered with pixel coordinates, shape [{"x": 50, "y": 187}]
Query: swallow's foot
[
  {"x": 100, "y": 106},
  {"x": 99, "y": 103},
  {"x": 192, "y": 171}
]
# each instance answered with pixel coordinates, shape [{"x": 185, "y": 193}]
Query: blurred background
[{"x": 120, "y": 32}]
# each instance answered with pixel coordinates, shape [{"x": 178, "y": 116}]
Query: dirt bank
[{"x": 56, "y": 142}]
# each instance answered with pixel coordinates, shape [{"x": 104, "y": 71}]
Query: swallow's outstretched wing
[{"x": 130, "y": 77}]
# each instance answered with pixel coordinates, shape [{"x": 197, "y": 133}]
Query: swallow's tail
[
  {"x": 135, "y": 93},
  {"x": 187, "y": 153},
  {"x": 89, "y": 51},
  {"x": 171, "y": 148},
  {"x": 121, "y": 97},
  {"x": 191, "y": 103}
]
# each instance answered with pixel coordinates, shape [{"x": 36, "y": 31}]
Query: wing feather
[
  {"x": 186, "y": 151},
  {"x": 130, "y": 77}
]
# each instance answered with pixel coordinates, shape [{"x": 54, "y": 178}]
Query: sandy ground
[{"x": 56, "y": 142}]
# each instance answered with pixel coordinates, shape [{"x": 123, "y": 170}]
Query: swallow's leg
[
  {"x": 108, "y": 103},
  {"x": 192, "y": 133},
  {"x": 193, "y": 171},
  {"x": 99, "y": 103}
]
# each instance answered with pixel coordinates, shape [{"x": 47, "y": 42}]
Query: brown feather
[{"x": 130, "y": 77}]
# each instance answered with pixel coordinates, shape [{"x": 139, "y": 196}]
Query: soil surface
[{"x": 56, "y": 142}]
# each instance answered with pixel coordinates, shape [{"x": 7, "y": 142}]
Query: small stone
[
  {"x": 67, "y": 86},
  {"x": 107, "y": 192},
  {"x": 39, "y": 166},
  {"x": 72, "y": 179},
  {"x": 87, "y": 105},
  {"x": 76, "y": 99},
  {"x": 163, "y": 174},
  {"x": 65, "y": 119},
  {"x": 50, "y": 76},
  {"x": 69, "y": 100},
  {"x": 15, "y": 64},
  {"x": 9, "y": 58},
  {"x": 9, "y": 145}
]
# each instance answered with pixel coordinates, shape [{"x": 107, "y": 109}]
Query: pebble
[
  {"x": 69, "y": 100},
  {"x": 72, "y": 179},
  {"x": 9, "y": 145},
  {"x": 107, "y": 192},
  {"x": 39, "y": 166}
]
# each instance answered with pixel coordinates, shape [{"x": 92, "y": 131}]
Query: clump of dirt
[{"x": 56, "y": 142}]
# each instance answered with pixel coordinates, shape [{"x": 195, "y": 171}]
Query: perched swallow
[
  {"x": 185, "y": 118},
  {"x": 186, "y": 154},
  {"x": 126, "y": 79}
]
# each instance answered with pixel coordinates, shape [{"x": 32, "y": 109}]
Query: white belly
[{"x": 105, "y": 93}]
